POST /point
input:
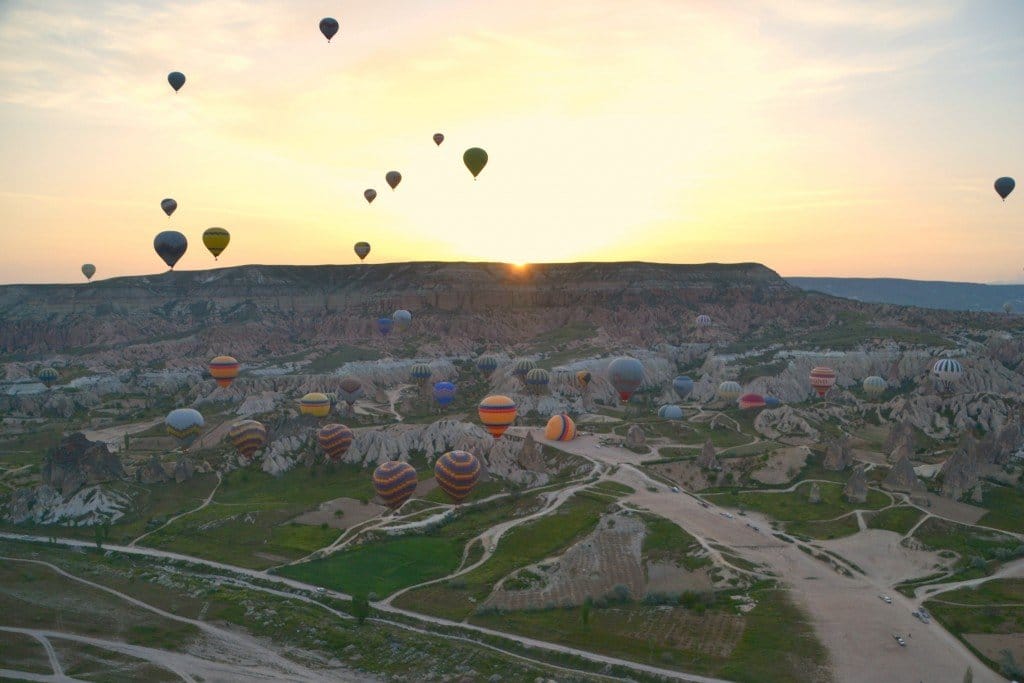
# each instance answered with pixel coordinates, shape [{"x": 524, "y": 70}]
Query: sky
[{"x": 818, "y": 137}]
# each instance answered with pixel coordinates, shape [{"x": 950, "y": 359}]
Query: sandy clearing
[
  {"x": 879, "y": 553},
  {"x": 992, "y": 644},
  {"x": 873, "y": 457},
  {"x": 666, "y": 577},
  {"x": 114, "y": 436},
  {"x": 951, "y": 509},
  {"x": 352, "y": 512},
  {"x": 782, "y": 466}
]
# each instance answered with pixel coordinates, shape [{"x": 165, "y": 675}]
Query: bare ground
[
  {"x": 353, "y": 512},
  {"x": 782, "y": 466},
  {"x": 992, "y": 644}
]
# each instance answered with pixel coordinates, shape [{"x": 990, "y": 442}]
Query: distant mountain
[{"x": 953, "y": 296}]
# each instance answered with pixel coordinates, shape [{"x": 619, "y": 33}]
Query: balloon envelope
[
  {"x": 1004, "y": 186},
  {"x": 48, "y": 376},
  {"x": 334, "y": 439},
  {"x": 370, "y": 195},
  {"x": 626, "y": 375},
  {"x": 350, "y": 390},
  {"x": 170, "y": 245},
  {"x": 729, "y": 390},
  {"x": 184, "y": 424},
  {"x": 224, "y": 369},
  {"x": 670, "y": 412},
  {"x": 487, "y": 364},
  {"x": 475, "y": 159},
  {"x": 393, "y": 178},
  {"x": 560, "y": 428},
  {"x": 315, "y": 404},
  {"x": 176, "y": 79},
  {"x": 537, "y": 379},
  {"x": 497, "y": 413},
  {"x": 88, "y": 270},
  {"x": 385, "y": 325},
  {"x": 822, "y": 379},
  {"x": 402, "y": 317},
  {"x": 248, "y": 436},
  {"x": 362, "y": 249},
  {"x": 682, "y": 385},
  {"x": 456, "y": 473},
  {"x": 216, "y": 240},
  {"x": 438, "y": 138},
  {"x": 444, "y": 393},
  {"x": 328, "y": 27},
  {"x": 420, "y": 372},
  {"x": 168, "y": 205},
  {"x": 394, "y": 481},
  {"x": 703, "y": 321},
  {"x": 583, "y": 377}
]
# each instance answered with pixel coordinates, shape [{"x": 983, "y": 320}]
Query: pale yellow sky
[{"x": 818, "y": 138}]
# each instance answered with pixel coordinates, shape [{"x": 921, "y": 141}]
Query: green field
[
  {"x": 1005, "y": 508},
  {"x": 667, "y": 541},
  {"x": 899, "y": 519},
  {"x": 792, "y": 506},
  {"x": 980, "y": 551},
  {"x": 825, "y": 530}
]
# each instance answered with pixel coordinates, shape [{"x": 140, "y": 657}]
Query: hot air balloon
[
  {"x": 350, "y": 390},
  {"x": 682, "y": 385},
  {"x": 522, "y": 367},
  {"x": 438, "y": 139},
  {"x": 334, "y": 439},
  {"x": 224, "y": 369},
  {"x": 670, "y": 412},
  {"x": 444, "y": 393},
  {"x": 370, "y": 195},
  {"x": 315, "y": 404},
  {"x": 729, "y": 390},
  {"x": 947, "y": 372},
  {"x": 362, "y": 249},
  {"x": 497, "y": 413},
  {"x": 184, "y": 424},
  {"x": 822, "y": 379},
  {"x": 216, "y": 240},
  {"x": 751, "y": 401},
  {"x": 402, "y": 317},
  {"x": 248, "y": 436},
  {"x": 874, "y": 385},
  {"x": 393, "y": 178},
  {"x": 88, "y": 270},
  {"x": 170, "y": 245},
  {"x": 1004, "y": 186},
  {"x": 176, "y": 79},
  {"x": 328, "y": 27},
  {"x": 487, "y": 364},
  {"x": 626, "y": 375},
  {"x": 385, "y": 325},
  {"x": 560, "y": 428},
  {"x": 420, "y": 372},
  {"x": 394, "y": 481},
  {"x": 456, "y": 473},
  {"x": 48, "y": 376},
  {"x": 168, "y": 205},
  {"x": 475, "y": 160},
  {"x": 703, "y": 320},
  {"x": 583, "y": 378},
  {"x": 537, "y": 380}
]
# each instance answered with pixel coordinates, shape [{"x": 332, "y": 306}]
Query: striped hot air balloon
[
  {"x": 537, "y": 380},
  {"x": 456, "y": 473},
  {"x": 48, "y": 376},
  {"x": 670, "y": 412},
  {"x": 420, "y": 372},
  {"x": 947, "y": 372},
  {"x": 703, "y": 320},
  {"x": 248, "y": 436},
  {"x": 522, "y": 368},
  {"x": 394, "y": 481},
  {"x": 874, "y": 385},
  {"x": 487, "y": 364},
  {"x": 315, "y": 404},
  {"x": 224, "y": 369},
  {"x": 729, "y": 390},
  {"x": 334, "y": 439},
  {"x": 497, "y": 413},
  {"x": 184, "y": 424},
  {"x": 560, "y": 428},
  {"x": 626, "y": 375},
  {"x": 822, "y": 379}
]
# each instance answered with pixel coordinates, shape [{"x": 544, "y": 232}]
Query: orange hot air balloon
[
  {"x": 560, "y": 428},
  {"x": 497, "y": 413},
  {"x": 456, "y": 473},
  {"x": 822, "y": 379},
  {"x": 248, "y": 436},
  {"x": 224, "y": 369},
  {"x": 334, "y": 439},
  {"x": 394, "y": 481}
]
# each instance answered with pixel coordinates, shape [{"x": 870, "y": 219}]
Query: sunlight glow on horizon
[{"x": 827, "y": 138}]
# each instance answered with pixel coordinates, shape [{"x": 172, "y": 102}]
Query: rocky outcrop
[
  {"x": 960, "y": 472},
  {"x": 635, "y": 437},
  {"x": 838, "y": 455},
  {"x": 183, "y": 469},
  {"x": 902, "y": 477},
  {"x": 78, "y": 462},
  {"x": 856, "y": 489},
  {"x": 901, "y": 438},
  {"x": 530, "y": 456},
  {"x": 88, "y": 506},
  {"x": 152, "y": 472},
  {"x": 707, "y": 458},
  {"x": 814, "y": 497},
  {"x": 505, "y": 460},
  {"x": 784, "y": 421}
]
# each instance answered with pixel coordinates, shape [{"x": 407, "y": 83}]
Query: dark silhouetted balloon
[
  {"x": 362, "y": 249},
  {"x": 176, "y": 79},
  {"x": 88, "y": 270},
  {"x": 328, "y": 27},
  {"x": 438, "y": 138},
  {"x": 475, "y": 160},
  {"x": 1004, "y": 186},
  {"x": 168, "y": 205},
  {"x": 170, "y": 245},
  {"x": 370, "y": 195},
  {"x": 393, "y": 178}
]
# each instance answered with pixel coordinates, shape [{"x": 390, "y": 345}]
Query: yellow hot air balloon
[
  {"x": 224, "y": 369},
  {"x": 315, "y": 404},
  {"x": 216, "y": 240}
]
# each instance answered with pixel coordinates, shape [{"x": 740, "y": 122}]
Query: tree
[
  {"x": 360, "y": 608},
  {"x": 969, "y": 675},
  {"x": 100, "y": 532},
  {"x": 585, "y": 611}
]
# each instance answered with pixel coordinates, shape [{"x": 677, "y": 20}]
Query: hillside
[{"x": 954, "y": 296}]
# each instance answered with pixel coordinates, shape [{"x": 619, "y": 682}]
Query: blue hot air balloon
[
  {"x": 682, "y": 385},
  {"x": 385, "y": 325},
  {"x": 444, "y": 393}
]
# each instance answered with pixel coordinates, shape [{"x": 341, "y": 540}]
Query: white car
[
  {"x": 899, "y": 640},
  {"x": 726, "y": 515},
  {"x": 675, "y": 489},
  {"x": 886, "y": 599}
]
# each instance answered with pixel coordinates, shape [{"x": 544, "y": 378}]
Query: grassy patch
[
  {"x": 1005, "y": 509},
  {"x": 667, "y": 541},
  {"x": 792, "y": 506},
  {"x": 833, "y": 528},
  {"x": 980, "y": 551},
  {"x": 899, "y": 519},
  {"x": 339, "y": 356}
]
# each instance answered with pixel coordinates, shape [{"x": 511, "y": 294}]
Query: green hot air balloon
[{"x": 475, "y": 160}]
